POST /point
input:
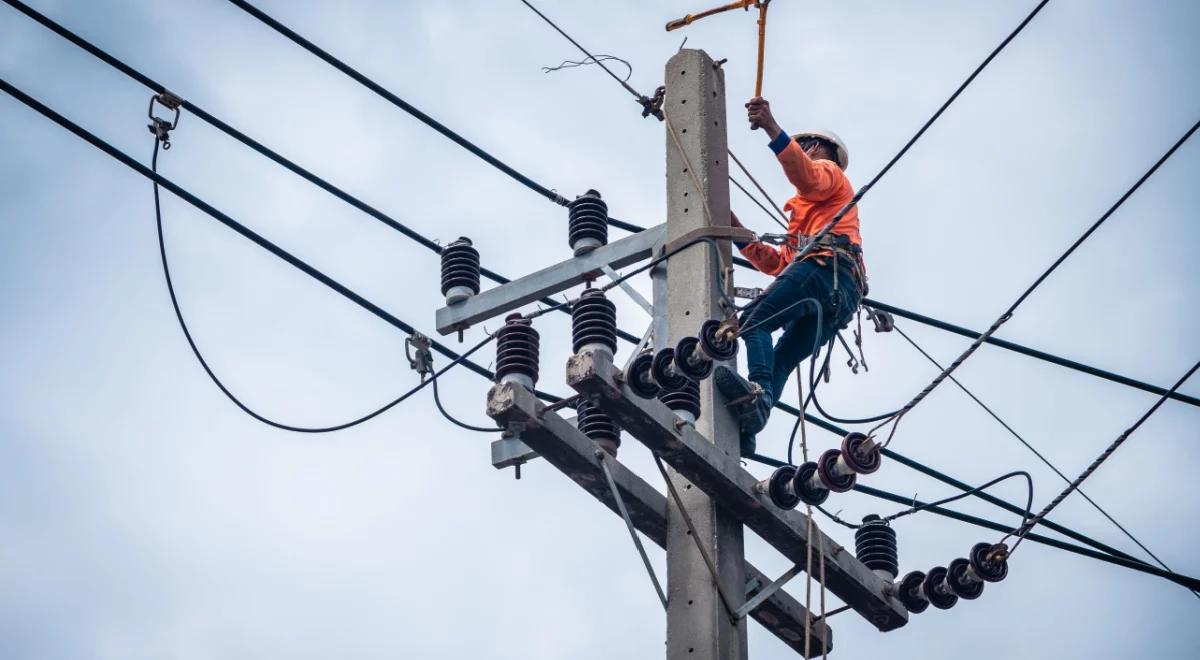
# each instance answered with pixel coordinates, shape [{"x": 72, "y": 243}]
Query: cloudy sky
[{"x": 144, "y": 516}]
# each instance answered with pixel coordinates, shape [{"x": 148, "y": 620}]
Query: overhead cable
[
  {"x": 246, "y": 232},
  {"x": 1108, "y": 451},
  {"x": 1031, "y": 448},
  {"x": 262, "y": 149},
  {"x": 1007, "y": 314},
  {"x": 1030, "y": 352}
]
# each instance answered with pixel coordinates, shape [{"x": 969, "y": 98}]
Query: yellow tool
[{"x": 740, "y": 4}]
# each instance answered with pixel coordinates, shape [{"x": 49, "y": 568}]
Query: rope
[{"x": 1074, "y": 485}]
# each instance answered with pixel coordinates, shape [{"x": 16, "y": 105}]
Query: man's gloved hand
[{"x": 758, "y": 111}]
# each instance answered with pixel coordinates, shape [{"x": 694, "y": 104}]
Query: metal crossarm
[
  {"x": 574, "y": 454},
  {"x": 721, "y": 476},
  {"x": 549, "y": 281}
]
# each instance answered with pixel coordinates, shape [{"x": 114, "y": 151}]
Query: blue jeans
[{"x": 780, "y": 308}]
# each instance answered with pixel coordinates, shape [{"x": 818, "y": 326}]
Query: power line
[
  {"x": 246, "y": 232},
  {"x": 1074, "y": 485},
  {"x": 474, "y": 367},
  {"x": 398, "y": 102},
  {"x": 262, "y": 149},
  {"x": 162, "y": 251},
  {"x": 1119, "y": 559},
  {"x": 951, "y": 481},
  {"x": 925, "y": 127},
  {"x": 432, "y": 245},
  {"x": 1030, "y": 352},
  {"x": 1184, "y": 580},
  {"x": 1007, "y": 314},
  {"x": 1031, "y": 448}
]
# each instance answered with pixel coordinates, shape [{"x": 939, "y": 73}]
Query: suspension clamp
[
  {"x": 161, "y": 128},
  {"x": 653, "y": 106},
  {"x": 422, "y": 361}
]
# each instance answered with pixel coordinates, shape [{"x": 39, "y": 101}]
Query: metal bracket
[
  {"x": 769, "y": 591},
  {"x": 602, "y": 456},
  {"x": 629, "y": 290}
]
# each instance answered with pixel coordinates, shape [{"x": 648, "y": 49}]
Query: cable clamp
[
  {"x": 883, "y": 321},
  {"x": 653, "y": 106},
  {"x": 159, "y": 127},
  {"x": 421, "y": 360}
]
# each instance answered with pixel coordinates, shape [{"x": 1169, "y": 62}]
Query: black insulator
[
  {"x": 962, "y": 580},
  {"x": 597, "y": 425},
  {"x": 691, "y": 361},
  {"x": 594, "y": 321},
  {"x": 936, "y": 590},
  {"x": 781, "y": 487},
  {"x": 909, "y": 591},
  {"x": 809, "y": 492},
  {"x": 664, "y": 371},
  {"x": 460, "y": 271},
  {"x": 686, "y": 399},
  {"x": 857, "y": 457},
  {"x": 715, "y": 346},
  {"x": 875, "y": 546},
  {"x": 838, "y": 483},
  {"x": 517, "y": 349},
  {"x": 587, "y": 223},
  {"x": 638, "y": 378},
  {"x": 990, "y": 562}
]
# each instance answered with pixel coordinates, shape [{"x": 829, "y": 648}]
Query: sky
[{"x": 142, "y": 515}]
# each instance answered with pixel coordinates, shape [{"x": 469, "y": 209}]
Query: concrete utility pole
[
  {"x": 698, "y": 626},
  {"x": 711, "y": 590}
]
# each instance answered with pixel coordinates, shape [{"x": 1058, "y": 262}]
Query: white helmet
[{"x": 843, "y": 154}]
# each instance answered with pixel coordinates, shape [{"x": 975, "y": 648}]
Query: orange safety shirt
[{"x": 822, "y": 189}]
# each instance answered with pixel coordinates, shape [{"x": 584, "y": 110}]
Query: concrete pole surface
[{"x": 698, "y": 627}]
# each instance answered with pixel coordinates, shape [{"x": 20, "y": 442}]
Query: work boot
[{"x": 751, "y": 405}]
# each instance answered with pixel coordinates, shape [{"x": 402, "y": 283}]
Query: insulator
[
  {"x": 460, "y": 271},
  {"x": 937, "y": 591},
  {"x": 597, "y": 425},
  {"x": 517, "y": 352},
  {"x": 691, "y": 361},
  {"x": 715, "y": 346},
  {"x": 962, "y": 580},
  {"x": 875, "y": 547},
  {"x": 808, "y": 484},
  {"x": 989, "y": 562},
  {"x": 638, "y": 378},
  {"x": 780, "y": 487},
  {"x": 860, "y": 454},
  {"x": 587, "y": 223},
  {"x": 685, "y": 402},
  {"x": 834, "y": 473},
  {"x": 594, "y": 322},
  {"x": 664, "y": 371},
  {"x": 911, "y": 592}
]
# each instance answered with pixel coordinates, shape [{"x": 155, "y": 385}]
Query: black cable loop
[
  {"x": 437, "y": 400},
  {"x": 162, "y": 249}
]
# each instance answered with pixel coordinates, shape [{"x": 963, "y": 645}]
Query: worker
[{"x": 810, "y": 299}]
